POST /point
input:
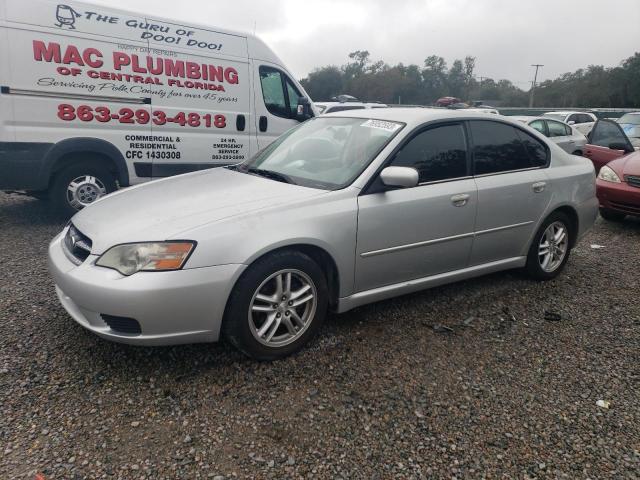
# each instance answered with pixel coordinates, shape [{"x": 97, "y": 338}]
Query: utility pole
[{"x": 533, "y": 85}]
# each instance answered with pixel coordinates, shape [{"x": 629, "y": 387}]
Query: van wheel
[
  {"x": 550, "y": 248},
  {"x": 79, "y": 185},
  {"x": 277, "y": 306}
]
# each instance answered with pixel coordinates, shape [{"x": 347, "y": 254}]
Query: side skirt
[{"x": 383, "y": 293}]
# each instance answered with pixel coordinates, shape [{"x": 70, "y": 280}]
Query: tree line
[{"x": 594, "y": 86}]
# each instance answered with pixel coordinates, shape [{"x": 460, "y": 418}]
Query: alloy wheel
[
  {"x": 553, "y": 247},
  {"x": 282, "y": 308}
]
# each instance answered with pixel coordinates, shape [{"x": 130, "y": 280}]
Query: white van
[{"x": 93, "y": 98}]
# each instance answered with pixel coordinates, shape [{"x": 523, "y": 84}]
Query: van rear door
[{"x": 202, "y": 115}]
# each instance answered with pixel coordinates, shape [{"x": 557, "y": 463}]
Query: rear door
[
  {"x": 276, "y": 102},
  {"x": 513, "y": 189},
  {"x": 606, "y": 142}
]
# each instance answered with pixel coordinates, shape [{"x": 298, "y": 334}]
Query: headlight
[
  {"x": 608, "y": 175},
  {"x": 146, "y": 257}
]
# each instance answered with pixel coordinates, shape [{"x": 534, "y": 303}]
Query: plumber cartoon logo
[{"x": 66, "y": 17}]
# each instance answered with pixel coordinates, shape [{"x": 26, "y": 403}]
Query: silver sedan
[
  {"x": 341, "y": 211},
  {"x": 567, "y": 137}
]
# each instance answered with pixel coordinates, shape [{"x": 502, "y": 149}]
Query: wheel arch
[
  {"x": 319, "y": 255},
  {"x": 572, "y": 214},
  {"x": 71, "y": 150}
]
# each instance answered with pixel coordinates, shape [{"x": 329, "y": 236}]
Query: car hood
[
  {"x": 165, "y": 209},
  {"x": 627, "y": 165}
]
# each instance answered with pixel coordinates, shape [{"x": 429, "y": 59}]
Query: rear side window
[
  {"x": 498, "y": 147},
  {"x": 557, "y": 129},
  {"x": 439, "y": 153},
  {"x": 539, "y": 126}
]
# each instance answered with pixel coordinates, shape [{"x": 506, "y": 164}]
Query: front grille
[
  {"x": 126, "y": 325},
  {"x": 633, "y": 180},
  {"x": 628, "y": 208},
  {"x": 77, "y": 245}
]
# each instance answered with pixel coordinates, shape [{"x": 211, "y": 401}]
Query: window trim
[
  {"x": 285, "y": 91},
  {"x": 517, "y": 127}
]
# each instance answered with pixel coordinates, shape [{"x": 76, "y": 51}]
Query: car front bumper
[
  {"x": 619, "y": 197},
  {"x": 177, "y": 307}
]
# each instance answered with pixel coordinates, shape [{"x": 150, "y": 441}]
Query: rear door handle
[
  {"x": 460, "y": 200},
  {"x": 539, "y": 187}
]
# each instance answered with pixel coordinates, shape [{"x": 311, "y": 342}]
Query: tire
[
  {"x": 242, "y": 325},
  {"x": 40, "y": 195},
  {"x": 612, "y": 215},
  {"x": 534, "y": 266},
  {"x": 59, "y": 194}
]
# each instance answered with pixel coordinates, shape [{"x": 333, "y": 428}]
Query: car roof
[
  {"x": 415, "y": 116},
  {"x": 525, "y": 118}
]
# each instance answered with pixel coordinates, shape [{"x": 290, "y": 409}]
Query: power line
[{"x": 533, "y": 85}]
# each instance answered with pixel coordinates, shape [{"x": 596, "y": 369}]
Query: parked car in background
[
  {"x": 332, "y": 107},
  {"x": 583, "y": 121},
  {"x": 341, "y": 211},
  {"x": 630, "y": 123},
  {"x": 565, "y": 136},
  {"x": 93, "y": 105},
  {"x": 606, "y": 142},
  {"x": 490, "y": 110},
  {"x": 447, "y": 101}
]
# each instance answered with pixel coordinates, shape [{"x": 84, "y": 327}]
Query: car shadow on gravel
[{"x": 26, "y": 211}]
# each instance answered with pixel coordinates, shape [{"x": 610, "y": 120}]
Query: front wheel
[
  {"x": 277, "y": 306},
  {"x": 79, "y": 185},
  {"x": 550, "y": 248}
]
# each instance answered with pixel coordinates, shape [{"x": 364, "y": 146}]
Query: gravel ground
[{"x": 464, "y": 381}]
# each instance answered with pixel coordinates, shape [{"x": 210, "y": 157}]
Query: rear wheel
[
  {"x": 550, "y": 248},
  {"x": 277, "y": 306},
  {"x": 612, "y": 215},
  {"x": 79, "y": 185}
]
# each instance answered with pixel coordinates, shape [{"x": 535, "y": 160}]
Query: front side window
[
  {"x": 273, "y": 93},
  {"x": 439, "y": 153},
  {"x": 557, "y": 129},
  {"x": 281, "y": 97},
  {"x": 326, "y": 152},
  {"x": 498, "y": 147}
]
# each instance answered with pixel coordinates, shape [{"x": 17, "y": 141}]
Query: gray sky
[{"x": 505, "y": 36}]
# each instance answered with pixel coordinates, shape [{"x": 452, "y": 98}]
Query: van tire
[{"x": 99, "y": 182}]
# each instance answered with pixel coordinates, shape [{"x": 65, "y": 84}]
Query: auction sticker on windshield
[{"x": 382, "y": 125}]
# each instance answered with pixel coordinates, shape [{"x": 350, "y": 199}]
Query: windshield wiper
[{"x": 270, "y": 174}]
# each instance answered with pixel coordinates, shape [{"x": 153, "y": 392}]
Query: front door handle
[
  {"x": 539, "y": 187},
  {"x": 460, "y": 200},
  {"x": 263, "y": 124}
]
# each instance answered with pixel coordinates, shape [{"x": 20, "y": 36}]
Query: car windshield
[
  {"x": 556, "y": 116},
  {"x": 630, "y": 118},
  {"x": 326, "y": 153}
]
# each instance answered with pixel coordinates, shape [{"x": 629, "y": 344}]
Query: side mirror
[
  {"x": 620, "y": 146},
  {"x": 304, "y": 109},
  {"x": 571, "y": 122},
  {"x": 403, "y": 177}
]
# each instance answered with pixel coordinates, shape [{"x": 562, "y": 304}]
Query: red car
[{"x": 618, "y": 167}]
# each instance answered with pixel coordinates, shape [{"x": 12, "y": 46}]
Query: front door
[
  {"x": 411, "y": 233},
  {"x": 276, "y": 102},
  {"x": 607, "y": 141},
  {"x": 562, "y": 135},
  {"x": 513, "y": 189}
]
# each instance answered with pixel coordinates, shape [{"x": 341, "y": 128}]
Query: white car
[
  {"x": 492, "y": 111},
  {"x": 630, "y": 123},
  {"x": 332, "y": 107},
  {"x": 569, "y": 138},
  {"x": 583, "y": 121}
]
